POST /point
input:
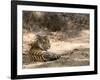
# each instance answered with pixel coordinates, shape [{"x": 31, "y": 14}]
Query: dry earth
[{"x": 74, "y": 51}]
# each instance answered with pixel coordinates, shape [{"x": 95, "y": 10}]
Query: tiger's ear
[
  {"x": 38, "y": 36},
  {"x": 45, "y": 37}
]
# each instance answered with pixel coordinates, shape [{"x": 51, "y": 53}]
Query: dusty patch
[{"x": 71, "y": 57}]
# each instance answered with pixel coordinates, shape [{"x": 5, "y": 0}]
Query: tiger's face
[{"x": 43, "y": 42}]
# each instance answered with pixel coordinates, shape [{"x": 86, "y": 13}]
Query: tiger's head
[{"x": 43, "y": 42}]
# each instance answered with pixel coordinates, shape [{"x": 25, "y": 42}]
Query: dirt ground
[{"x": 74, "y": 51}]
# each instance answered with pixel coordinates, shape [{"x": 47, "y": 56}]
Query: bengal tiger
[{"x": 38, "y": 50}]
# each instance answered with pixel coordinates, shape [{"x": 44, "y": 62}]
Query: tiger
[{"x": 38, "y": 51}]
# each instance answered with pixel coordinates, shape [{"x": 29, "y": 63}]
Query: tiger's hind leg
[{"x": 49, "y": 56}]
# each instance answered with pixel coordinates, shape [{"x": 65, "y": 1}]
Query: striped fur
[{"x": 38, "y": 50}]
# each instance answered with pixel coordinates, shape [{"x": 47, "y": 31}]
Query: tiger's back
[{"x": 36, "y": 55}]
